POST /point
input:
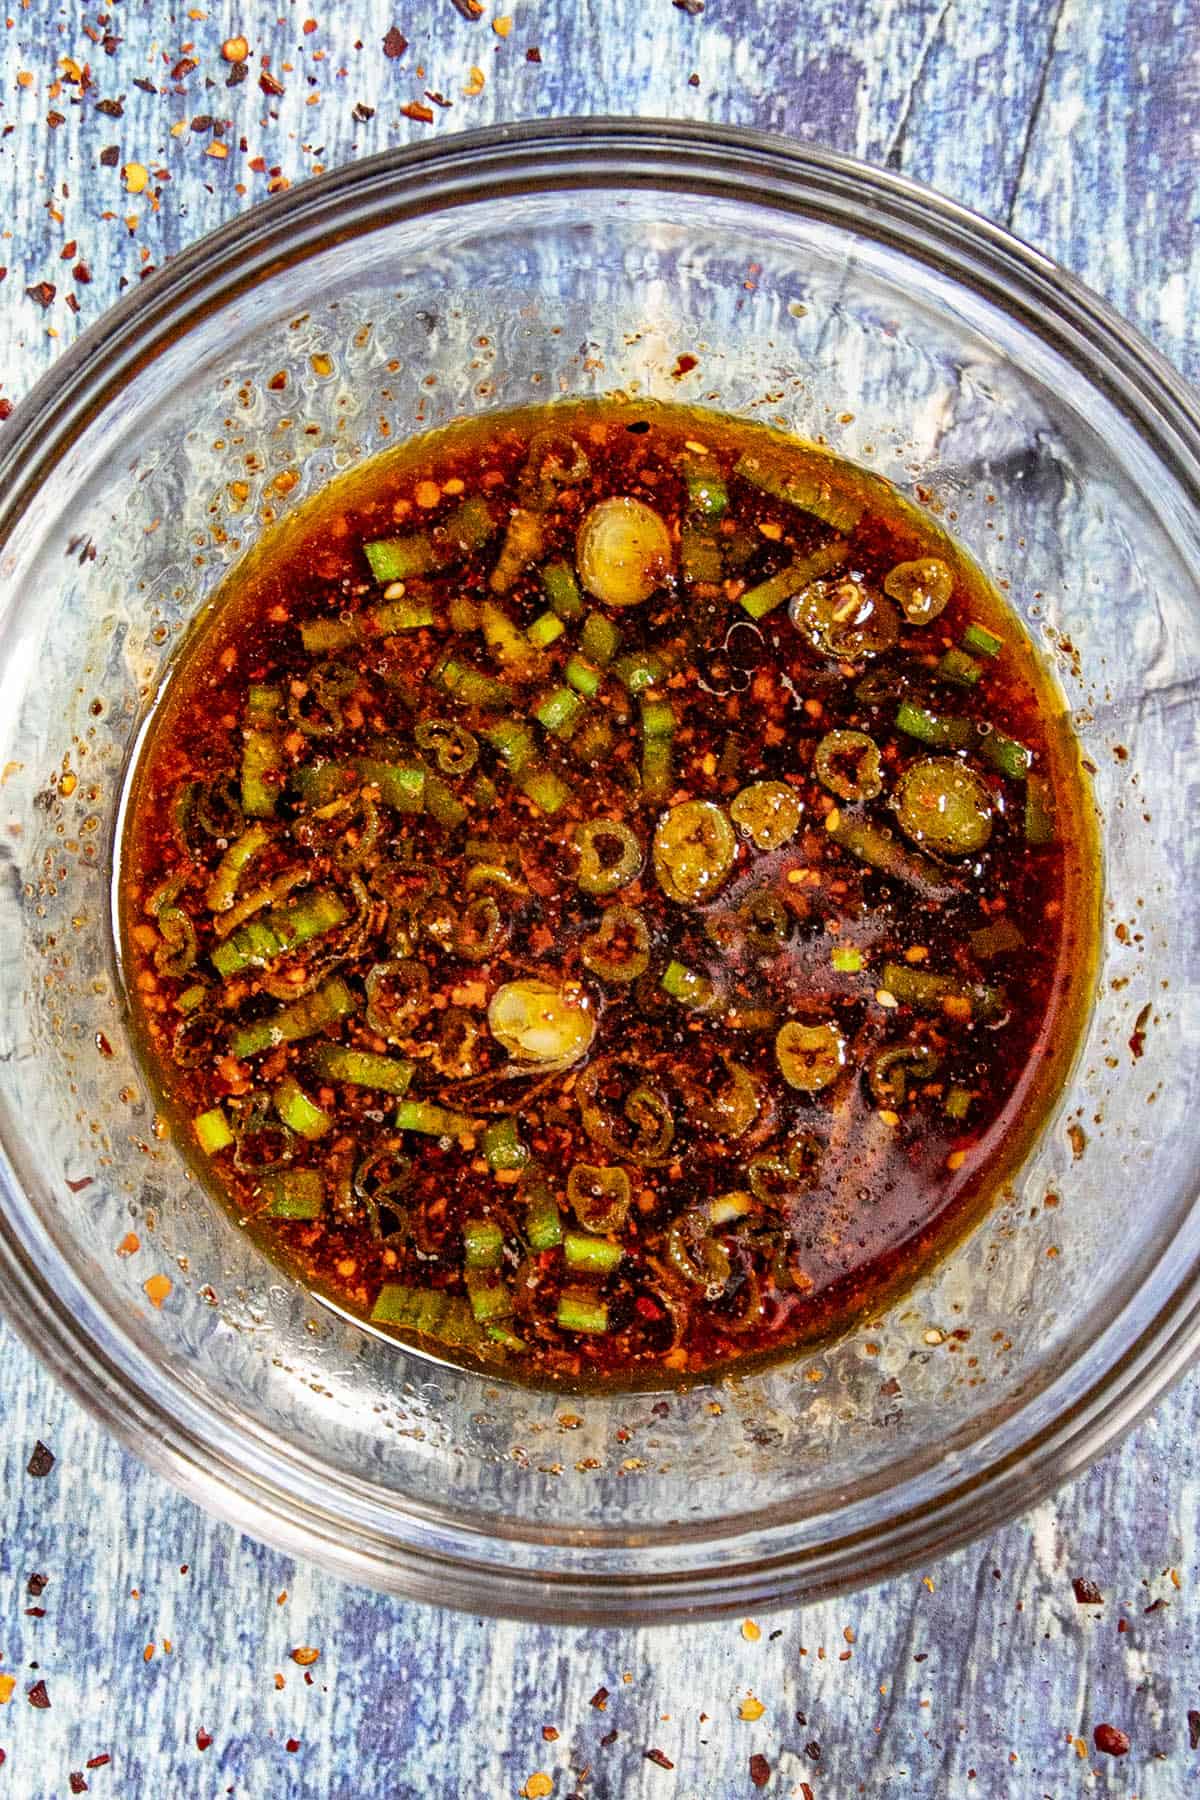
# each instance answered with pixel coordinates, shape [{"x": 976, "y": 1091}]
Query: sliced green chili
[
  {"x": 929, "y": 728},
  {"x": 619, "y": 950},
  {"x": 921, "y": 589},
  {"x": 958, "y": 1102},
  {"x": 524, "y": 541},
  {"x": 769, "y": 812},
  {"x": 687, "y": 986},
  {"x": 601, "y": 1196},
  {"x": 847, "y": 763},
  {"x": 892, "y": 1069},
  {"x": 285, "y": 928},
  {"x": 303, "y": 1018},
  {"x": 998, "y": 938},
  {"x": 453, "y": 747},
  {"x": 222, "y": 889},
  {"x": 845, "y": 619},
  {"x": 810, "y": 1055},
  {"x": 958, "y": 667},
  {"x": 694, "y": 850},
  {"x": 610, "y": 856},
  {"x": 944, "y": 804}
]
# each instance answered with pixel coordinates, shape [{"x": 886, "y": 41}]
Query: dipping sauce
[{"x": 608, "y": 892}]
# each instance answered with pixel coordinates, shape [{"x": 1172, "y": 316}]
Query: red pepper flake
[
  {"x": 1193, "y": 1729},
  {"x": 110, "y": 156},
  {"x": 693, "y": 8},
  {"x": 306, "y": 1655},
  {"x": 308, "y": 27},
  {"x": 98, "y": 1762},
  {"x": 37, "y": 1696},
  {"x": 292, "y": 1745},
  {"x": 55, "y": 119},
  {"x": 1156, "y": 1605},
  {"x": 1111, "y": 1740},
  {"x": 203, "y": 1740},
  {"x": 438, "y": 99},
  {"x": 35, "y": 1612},
  {"x": 468, "y": 9},
  {"x": 657, "y": 1757},
  {"x": 363, "y": 112},
  {"x": 112, "y": 109},
  {"x": 533, "y": 54},
  {"x": 83, "y": 276},
  {"x": 185, "y": 65},
  {"x": 269, "y": 85},
  {"x": 599, "y": 1699},
  {"x": 1086, "y": 1592},
  {"x": 395, "y": 43},
  {"x": 37, "y": 1585},
  {"x": 549, "y": 1734},
  {"x": 413, "y": 109},
  {"x": 760, "y": 1771},
  {"x": 41, "y": 1462},
  {"x": 42, "y": 293},
  {"x": 78, "y": 1784},
  {"x": 805, "y": 1791},
  {"x": 694, "y": 81}
]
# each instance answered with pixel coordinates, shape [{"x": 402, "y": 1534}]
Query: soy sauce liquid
[{"x": 843, "y": 1198}]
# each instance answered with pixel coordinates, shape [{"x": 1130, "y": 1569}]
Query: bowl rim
[{"x": 527, "y": 158}]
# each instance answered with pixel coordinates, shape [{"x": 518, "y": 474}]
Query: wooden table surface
[{"x": 140, "y": 1631}]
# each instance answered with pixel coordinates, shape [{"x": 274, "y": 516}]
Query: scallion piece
[
  {"x": 583, "y": 676},
  {"x": 593, "y": 1255},
  {"x": 325, "y": 637},
  {"x": 958, "y": 1102},
  {"x": 409, "y": 613},
  {"x": 544, "y": 630},
  {"x": 984, "y": 642},
  {"x": 442, "y": 803},
  {"x": 302, "y": 1019},
  {"x": 562, "y": 590},
  {"x": 581, "y": 1311},
  {"x": 363, "y": 1068},
  {"x": 483, "y": 1244},
  {"x": 996, "y": 939},
  {"x": 700, "y": 556},
  {"x": 930, "y": 728},
  {"x": 638, "y": 670},
  {"x": 543, "y": 1221},
  {"x": 686, "y": 985},
  {"x": 957, "y": 667},
  {"x": 599, "y": 639},
  {"x": 508, "y": 1340},
  {"x": 513, "y": 742},
  {"x": 926, "y": 991},
  {"x": 262, "y": 772},
  {"x": 396, "y": 1304},
  {"x": 489, "y": 1297},
  {"x": 1005, "y": 754},
  {"x": 1039, "y": 811},
  {"x": 471, "y": 686},
  {"x": 298, "y": 1112},
  {"x": 708, "y": 496},
  {"x": 658, "y": 731},
  {"x": 401, "y": 785},
  {"x": 880, "y": 849},
  {"x": 432, "y": 1121},
  {"x": 263, "y": 705},
  {"x": 502, "y": 1145},
  {"x": 293, "y": 1194},
  {"x": 222, "y": 889},
  {"x": 807, "y": 488},
  {"x": 510, "y": 646},
  {"x": 399, "y": 558},
  {"x": 283, "y": 929},
  {"x": 560, "y": 711},
  {"x": 212, "y": 1131},
  {"x": 548, "y": 793}
]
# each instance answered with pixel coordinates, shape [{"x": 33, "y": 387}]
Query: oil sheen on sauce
[{"x": 608, "y": 893}]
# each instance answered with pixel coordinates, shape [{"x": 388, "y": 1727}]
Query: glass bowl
[{"x": 498, "y": 268}]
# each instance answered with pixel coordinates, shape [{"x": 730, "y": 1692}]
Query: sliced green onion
[
  {"x": 700, "y": 556},
  {"x": 560, "y": 711},
  {"x": 926, "y": 991},
  {"x": 1039, "y": 811},
  {"x": 982, "y": 641},
  {"x": 506, "y": 641},
  {"x": 471, "y": 686},
  {"x": 262, "y": 773},
  {"x": 544, "y": 630},
  {"x": 401, "y": 785},
  {"x": 958, "y": 1102},
  {"x": 263, "y": 705},
  {"x": 212, "y": 1131},
  {"x": 930, "y": 728},
  {"x": 581, "y": 1311},
  {"x": 443, "y": 804},
  {"x": 1004, "y": 753},
  {"x": 318, "y": 783},
  {"x": 957, "y": 667},
  {"x": 444, "y": 1317},
  {"x": 996, "y": 939},
  {"x": 513, "y": 742},
  {"x": 881, "y": 850},
  {"x": 846, "y": 959},
  {"x": 302, "y": 1019},
  {"x": 293, "y": 1194},
  {"x": 599, "y": 639},
  {"x": 790, "y": 581},
  {"x": 658, "y": 731},
  {"x": 808, "y": 488},
  {"x": 708, "y": 496},
  {"x": 406, "y": 614},
  {"x": 502, "y": 1145},
  {"x": 543, "y": 1221},
  {"x": 562, "y": 589},
  {"x": 489, "y": 1297},
  {"x": 592, "y": 744},
  {"x": 483, "y": 1244},
  {"x": 583, "y": 676},
  {"x": 508, "y": 1340},
  {"x": 398, "y": 558},
  {"x": 363, "y": 1068},
  {"x": 191, "y": 997},
  {"x": 593, "y": 1255},
  {"x": 433, "y": 1121},
  {"x": 547, "y": 791},
  {"x": 284, "y": 929},
  {"x": 325, "y": 637},
  {"x": 638, "y": 670},
  {"x": 298, "y": 1112},
  {"x": 687, "y": 986}
]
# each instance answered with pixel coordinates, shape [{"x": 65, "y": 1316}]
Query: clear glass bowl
[{"x": 499, "y": 268}]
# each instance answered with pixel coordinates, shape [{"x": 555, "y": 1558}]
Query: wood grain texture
[{"x": 1075, "y": 121}]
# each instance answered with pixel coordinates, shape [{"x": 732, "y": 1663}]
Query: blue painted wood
[{"x": 1075, "y": 123}]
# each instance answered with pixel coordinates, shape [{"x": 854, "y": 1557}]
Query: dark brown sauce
[{"x": 758, "y": 1190}]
